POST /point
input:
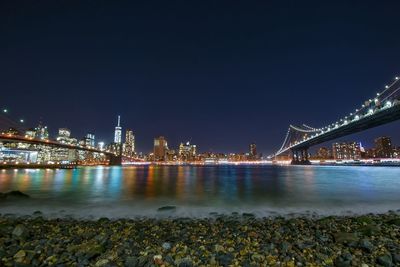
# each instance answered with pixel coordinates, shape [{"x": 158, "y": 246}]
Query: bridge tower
[
  {"x": 300, "y": 156},
  {"x": 116, "y": 160}
]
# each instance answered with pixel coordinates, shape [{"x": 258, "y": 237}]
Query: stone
[
  {"x": 285, "y": 246},
  {"x": 385, "y": 260},
  {"x": 186, "y": 262},
  {"x": 366, "y": 245},
  {"x": 167, "y": 208},
  {"x": 341, "y": 262},
  {"x": 20, "y": 232},
  {"x": 20, "y": 256},
  {"x": 396, "y": 258},
  {"x": 219, "y": 248},
  {"x": 166, "y": 246},
  {"x": 343, "y": 237},
  {"x": 102, "y": 262},
  {"x": 224, "y": 259},
  {"x": 364, "y": 220},
  {"x": 370, "y": 230},
  {"x": 394, "y": 221},
  {"x": 158, "y": 259},
  {"x": 16, "y": 194}
]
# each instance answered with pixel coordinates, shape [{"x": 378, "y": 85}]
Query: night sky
[{"x": 220, "y": 73}]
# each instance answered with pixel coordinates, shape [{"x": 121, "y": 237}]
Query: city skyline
[{"x": 182, "y": 70}]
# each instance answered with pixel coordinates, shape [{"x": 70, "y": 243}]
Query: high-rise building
[
  {"x": 64, "y": 132},
  {"x": 187, "y": 152},
  {"x": 90, "y": 140},
  {"x": 42, "y": 132},
  {"x": 350, "y": 151},
  {"x": 30, "y": 133},
  {"x": 383, "y": 147},
  {"x": 324, "y": 153},
  {"x": 100, "y": 146},
  {"x": 160, "y": 148},
  {"x": 252, "y": 151},
  {"x": 129, "y": 145},
  {"x": 118, "y": 132}
]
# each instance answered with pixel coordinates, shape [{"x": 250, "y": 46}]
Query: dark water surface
[{"x": 198, "y": 190}]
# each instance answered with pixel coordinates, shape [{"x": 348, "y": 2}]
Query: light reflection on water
[{"x": 131, "y": 191}]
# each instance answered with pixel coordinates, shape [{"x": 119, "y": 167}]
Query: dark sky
[{"x": 221, "y": 73}]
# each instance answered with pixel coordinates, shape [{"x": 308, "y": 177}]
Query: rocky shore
[{"x": 236, "y": 240}]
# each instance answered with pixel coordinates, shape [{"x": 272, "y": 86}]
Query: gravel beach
[{"x": 236, "y": 240}]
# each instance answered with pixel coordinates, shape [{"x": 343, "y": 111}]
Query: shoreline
[{"x": 230, "y": 240}]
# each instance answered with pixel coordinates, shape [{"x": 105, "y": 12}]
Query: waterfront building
[
  {"x": 383, "y": 147},
  {"x": 30, "y": 133},
  {"x": 100, "y": 146},
  {"x": 118, "y": 132},
  {"x": 64, "y": 154},
  {"x": 11, "y": 131},
  {"x": 170, "y": 155},
  {"x": 187, "y": 152},
  {"x": 90, "y": 140},
  {"x": 129, "y": 145},
  {"x": 41, "y": 132},
  {"x": 160, "y": 148},
  {"x": 324, "y": 153},
  {"x": 346, "y": 151},
  {"x": 64, "y": 136},
  {"x": 252, "y": 151}
]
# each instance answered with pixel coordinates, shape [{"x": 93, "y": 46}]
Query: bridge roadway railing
[
  {"x": 377, "y": 117},
  {"x": 23, "y": 139}
]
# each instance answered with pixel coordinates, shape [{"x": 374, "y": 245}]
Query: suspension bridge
[
  {"x": 381, "y": 109},
  {"x": 14, "y": 132}
]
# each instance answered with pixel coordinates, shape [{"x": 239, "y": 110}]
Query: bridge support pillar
[
  {"x": 116, "y": 160},
  {"x": 300, "y": 157}
]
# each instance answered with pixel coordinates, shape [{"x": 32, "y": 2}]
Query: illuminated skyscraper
[
  {"x": 383, "y": 147},
  {"x": 118, "y": 132},
  {"x": 90, "y": 140},
  {"x": 160, "y": 148},
  {"x": 129, "y": 145},
  {"x": 187, "y": 152},
  {"x": 253, "y": 151},
  {"x": 42, "y": 132}
]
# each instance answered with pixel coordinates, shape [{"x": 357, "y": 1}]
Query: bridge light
[
  {"x": 377, "y": 94},
  {"x": 5, "y": 110},
  {"x": 363, "y": 106},
  {"x": 357, "y": 117},
  {"x": 21, "y": 121},
  {"x": 388, "y": 104},
  {"x": 370, "y": 111},
  {"x": 397, "y": 78},
  {"x": 386, "y": 86}
]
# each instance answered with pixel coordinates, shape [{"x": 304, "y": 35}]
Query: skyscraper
[
  {"x": 129, "y": 145},
  {"x": 90, "y": 140},
  {"x": 118, "y": 132},
  {"x": 160, "y": 148},
  {"x": 253, "y": 151},
  {"x": 187, "y": 152},
  {"x": 42, "y": 132},
  {"x": 383, "y": 147}
]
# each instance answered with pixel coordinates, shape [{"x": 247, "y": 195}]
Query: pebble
[{"x": 215, "y": 241}]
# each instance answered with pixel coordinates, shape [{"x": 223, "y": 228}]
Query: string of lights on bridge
[{"x": 381, "y": 97}]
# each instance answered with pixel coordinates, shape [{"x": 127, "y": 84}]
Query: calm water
[{"x": 197, "y": 191}]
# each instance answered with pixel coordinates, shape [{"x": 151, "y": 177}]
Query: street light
[
  {"x": 21, "y": 121},
  {"x": 5, "y": 110}
]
